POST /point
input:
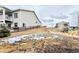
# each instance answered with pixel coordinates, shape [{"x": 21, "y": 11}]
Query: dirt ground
[
  {"x": 29, "y": 31},
  {"x": 42, "y": 46},
  {"x": 42, "y": 29},
  {"x": 71, "y": 34}
]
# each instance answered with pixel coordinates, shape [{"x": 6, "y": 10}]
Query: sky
[{"x": 46, "y": 12}]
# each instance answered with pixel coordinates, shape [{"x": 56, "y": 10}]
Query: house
[
  {"x": 62, "y": 26},
  {"x": 19, "y": 19}
]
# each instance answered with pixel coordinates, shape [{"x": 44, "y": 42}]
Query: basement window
[
  {"x": 23, "y": 24},
  {"x": 15, "y": 24}
]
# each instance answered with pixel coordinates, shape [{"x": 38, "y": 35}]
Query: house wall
[
  {"x": 1, "y": 16},
  {"x": 26, "y": 17},
  {"x": 16, "y": 20},
  {"x": 29, "y": 18},
  {"x": 55, "y": 20}
]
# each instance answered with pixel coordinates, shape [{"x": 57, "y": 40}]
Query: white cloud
[{"x": 47, "y": 10}]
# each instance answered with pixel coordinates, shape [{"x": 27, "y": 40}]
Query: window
[
  {"x": 15, "y": 15},
  {"x": 23, "y": 24},
  {"x": 9, "y": 25},
  {"x": 16, "y": 24}
]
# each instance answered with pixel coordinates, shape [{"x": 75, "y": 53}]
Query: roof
[
  {"x": 22, "y": 10},
  {"x": 36, "y": 16},
  {"x": 5, "y": 8},
  {"x": 16, "y": 9}
]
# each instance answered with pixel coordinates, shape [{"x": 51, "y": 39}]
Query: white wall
[
  {"x": 26, "y": 17},
  {"x": 29, "y": 18},
  {"x": 1, "y": 16},
  {"x": 55, "y": 20},
  {"x": 16, "y": 20}
]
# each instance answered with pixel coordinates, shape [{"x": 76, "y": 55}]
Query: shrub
[{"x": 4, "y": 32}]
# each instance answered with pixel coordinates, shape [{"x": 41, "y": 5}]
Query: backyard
[{"x": 40, "y": 40}]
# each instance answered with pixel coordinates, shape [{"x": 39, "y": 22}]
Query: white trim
[{"x": 3, "y": 15}]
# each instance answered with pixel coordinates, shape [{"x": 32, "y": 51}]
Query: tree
[{"x": 4, "y": 31}]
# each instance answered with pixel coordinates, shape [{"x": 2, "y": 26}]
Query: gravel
[{"x": 36, "y": 36}]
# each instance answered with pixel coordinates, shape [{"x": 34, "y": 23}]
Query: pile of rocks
[
  {"x": 36, "y": 36},
  {"x": 57, "y": 36}
]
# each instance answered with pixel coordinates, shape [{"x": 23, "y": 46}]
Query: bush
[{"x": 4, "y": 32}]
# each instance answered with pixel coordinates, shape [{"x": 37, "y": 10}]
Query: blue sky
[{"x": 44, "y": 11}]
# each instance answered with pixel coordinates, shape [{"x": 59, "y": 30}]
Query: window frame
[
  {"x": 15, "y": 24},
  {"x": 23, "y": 24},
  {"x": 15, "y": 15}
]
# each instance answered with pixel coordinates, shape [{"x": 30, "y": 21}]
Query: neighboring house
[
  {"x": 19, "y": 18},
  {"x": 62, "y": 26}
]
